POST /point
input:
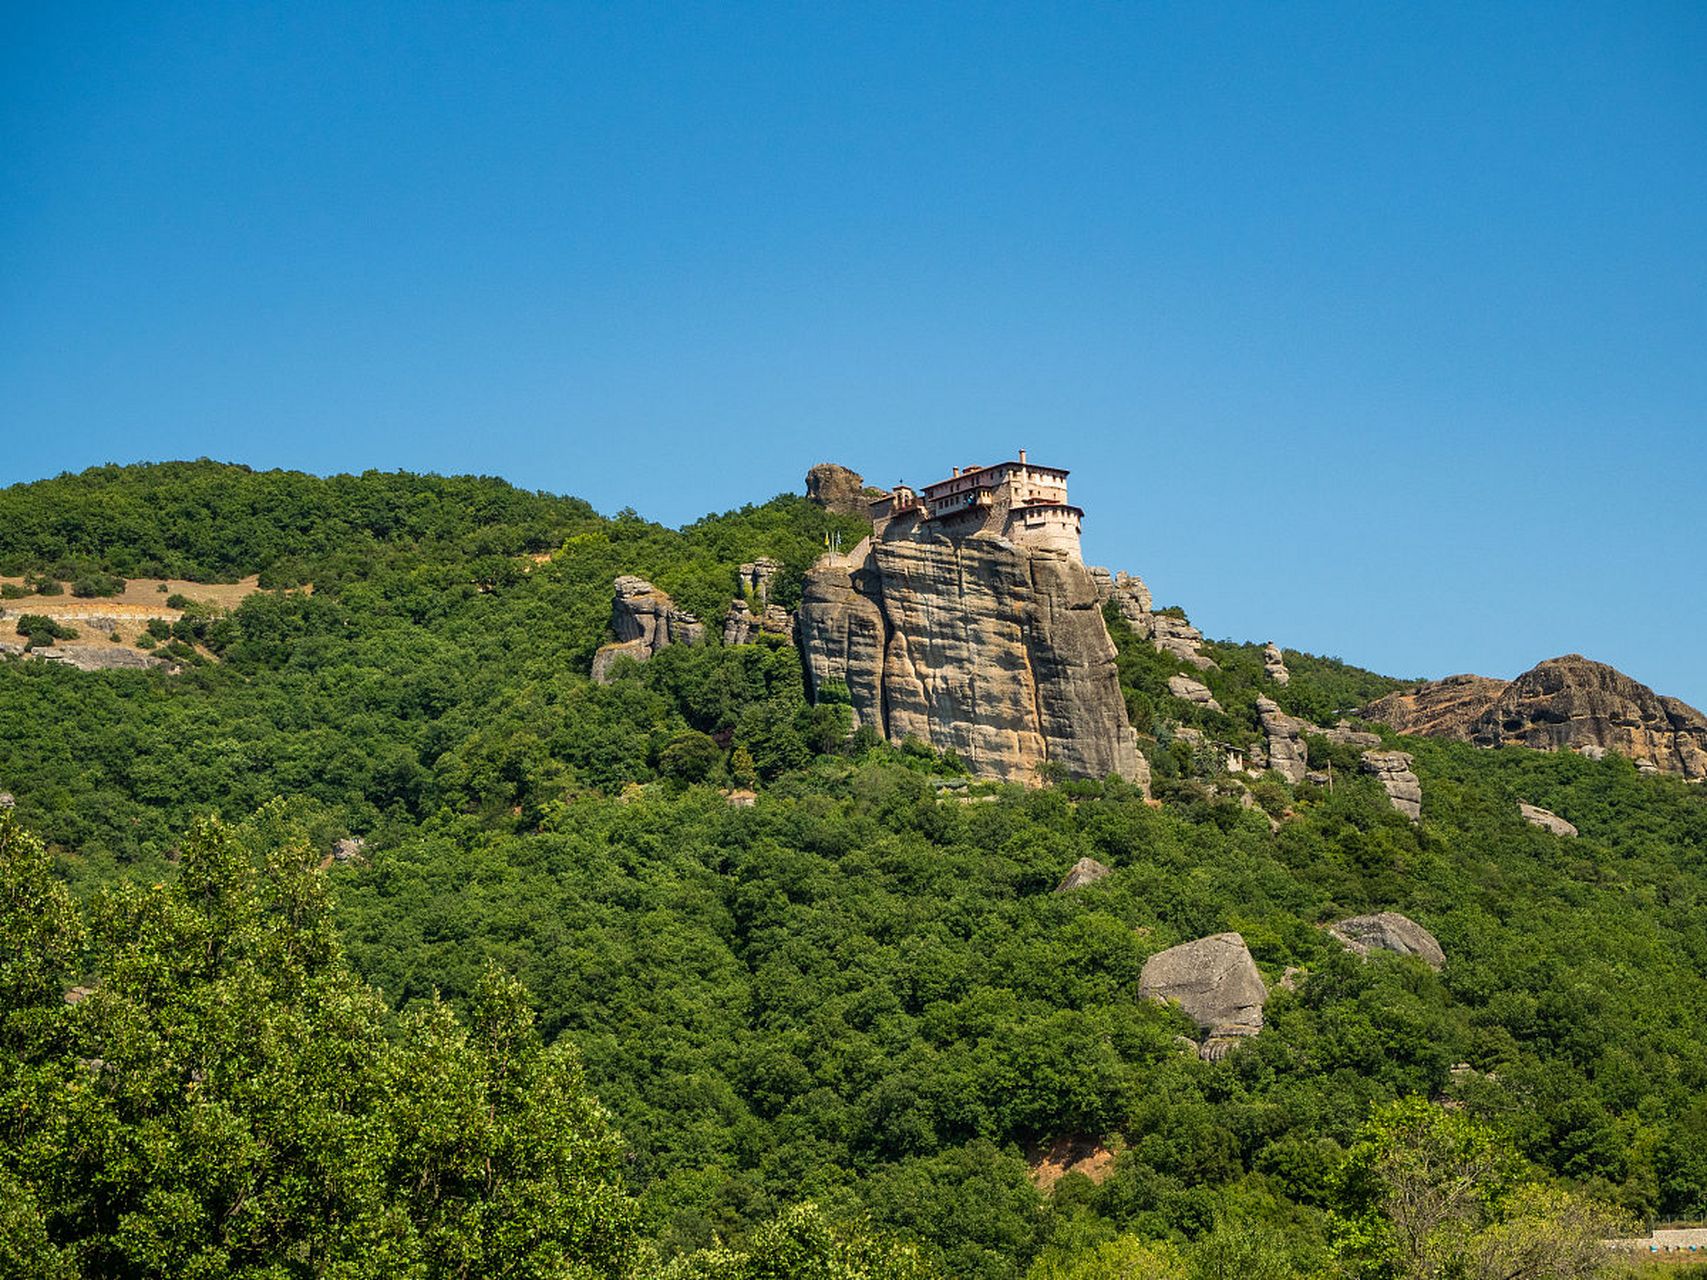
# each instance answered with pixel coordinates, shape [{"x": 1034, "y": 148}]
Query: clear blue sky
[{"x": 1380, "y": 330}]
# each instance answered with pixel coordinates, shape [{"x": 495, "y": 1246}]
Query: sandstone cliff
[
  {"x": 995, "y": 651},
  {"x": 1568, "y": 703}
]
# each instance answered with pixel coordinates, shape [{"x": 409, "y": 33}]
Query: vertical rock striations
[{"x": 992, "y": 649}]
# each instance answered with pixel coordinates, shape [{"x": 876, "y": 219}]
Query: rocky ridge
[{"x": 1567, "y": 703}]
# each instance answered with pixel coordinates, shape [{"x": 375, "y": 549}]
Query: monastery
[{"x": 1020, "y": 501}]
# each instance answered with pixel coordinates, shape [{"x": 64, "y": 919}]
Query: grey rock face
[
  {"x": 1085, "y": 871},
  {"x": 645, "y": 620},
  {"x": 1181, "y": 639},
  {"x": 756, "y": 578},
  {"x": 1274, "y": 665},
  {"x": 6, "y": 800},
  {"x": 835, "y": 488},
  {"x": 1343, "y": 734},
  {"x": 743, "y": 626},
  {"x": 1287, "y": 754},
  {"x": 1392, "y": 769},
  {"x": 995, "y": 651},
  {"x": 1193, "y": 691},
  {"x": 1215, "y": 981},
  {"x": 1389, "y": 931},
  {"x": 347, "y": 850},
  {"x": 1545, "y": 819},
  {"x": 88, "y": 657}
]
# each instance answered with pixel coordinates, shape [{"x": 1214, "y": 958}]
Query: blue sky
[{"x": 1378, "y": 330}]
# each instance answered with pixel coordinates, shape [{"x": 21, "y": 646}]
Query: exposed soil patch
[{"x": 1053, "y": 1160}]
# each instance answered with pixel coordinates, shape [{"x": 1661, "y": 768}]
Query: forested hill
[{"x": 858, "y": 990}]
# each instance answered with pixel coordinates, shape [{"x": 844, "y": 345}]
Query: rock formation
[
  {"x": 1389, "y": 931},
  {"x": 645, "y": 620},
  {"x": 92, "y": 657},
  {"x": 1085, "y": 871},
  {"x": 994, "y": 650},
  {"x": 1175, "y": 635},
  {"x": 1342, "y": 734},
  {"x": 1545, "y": 819},
  {"x": 743, "y": 626},
  {"x": 1215, "y": 981},
  {"x": 837, "y": 489},
  {"x": 1274, "y": 665},
  {"x": 1392, "y": 769},
  {"x": 1568, "y": 703},
  {"x": 1287, "y": 754},
  {"x": 756, "y": 578},
  {"x": 1446, "y": 708},
  {"x": 1192, "y": 691}
]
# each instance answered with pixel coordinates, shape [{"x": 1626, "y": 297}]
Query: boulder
[
  {"x": 1216, "y": 983},
  {"x": 6, "y": 800},
  {"x": 1274, "y": 665},
  {"x": 1085, "y": 871},
  {"x": 1192, "y": 691},
  {"x": 1287, "y": 754},
  {"x": 1389, "y": 931},
  {"x": 1392, "y": 769},
  {"x": 1545, "y": 819},
  {"x": 837, "y": 489}
]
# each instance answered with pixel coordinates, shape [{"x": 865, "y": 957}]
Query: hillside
[{"x": 860, "y": 989}]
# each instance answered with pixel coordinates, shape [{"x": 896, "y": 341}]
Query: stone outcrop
[
  {"x": 756, "y": 576},
  {"x": 1446, "y": 708},
  {"x": 1130, "y": 596},
  {"x": 1193, "y": 691},
  {"x": 837, "y": 489},
  {"x": 1274, "y": 665},
  {"x": 1392, "y": 769},
  {"x": 645, "y": 620},
  {"x": 743, "y": 626},
  {"x": 1287, "y": 754},
  {"x": 1085, "y": 871},
  {"x": 1175, "y": 635},
  {"x": 1216, "y": 983},
  {"x": 994, "y": 650},
  {"x": 1389, "y": 931},
  {"x": 102, "y": 657},
  {"x": 348, "y": 849},
  {"x": 1342, "y": 734},
  {"x": 1569, "y": 703},
  {"x": 1546, "y": 819}
]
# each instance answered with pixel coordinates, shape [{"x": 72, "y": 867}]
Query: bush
[
  {"x": 12, "y": 591},
  {"x": 42, "y": 630},
  {"x": 97, "y": 584}
]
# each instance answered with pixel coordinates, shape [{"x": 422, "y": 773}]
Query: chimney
[
  {"x": 956, "y": 472},
  {"x": 1022, "y": 457}
]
